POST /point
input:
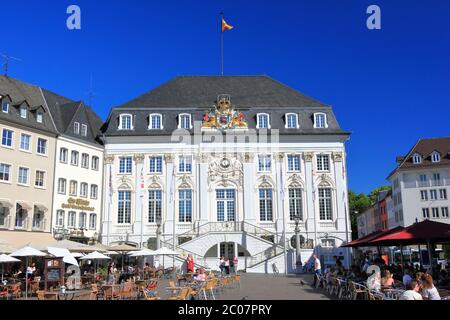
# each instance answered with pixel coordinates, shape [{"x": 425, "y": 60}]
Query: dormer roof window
[
  {"x": 76, "y": 127},
  {"x": 126, "y": 122},
  {"x": 155, "y": 121},
  {"x": 23, "y": 112},
  {"x": 262, "y": 121},
  {"x": 5, "y": 104},
  {"x": 291, "y": 121},
  {"x": 435, "y": 156},
  {"x": 39, "y": 117},
  {"x": 184, "y": 121},
  {"x": 84, "y": 130},
  {"x": 320, "y": 120},
  {"x": 417, "y": 158}
]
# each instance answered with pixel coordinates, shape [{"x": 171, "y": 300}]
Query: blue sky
[{"x": 388, "y": 87}]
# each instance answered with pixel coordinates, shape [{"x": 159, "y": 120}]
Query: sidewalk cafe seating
[
  {"x": 4, "y": 292},
  {"x": 182, "y": 295},
  {"x": 128, "y": 291},
  {"x": 111, "y": 292},
  {"x": 40, "y": 295}
]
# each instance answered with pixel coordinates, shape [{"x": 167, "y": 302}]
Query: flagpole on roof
[{"x": 221, "y": 42}]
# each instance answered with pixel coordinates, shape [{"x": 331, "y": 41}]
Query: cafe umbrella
[
  {"x": 7, "y": 259},
  {"x": 27, "y": 252},
  {"x": 163, "y": 251},
  {"x": 95, "y": 256}
]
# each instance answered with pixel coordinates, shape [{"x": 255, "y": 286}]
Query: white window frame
[
  {"x": 125, "y": 165},
  {"x": 77, "y": 158},
  {"x": 92, "y": 218},
  {"x": 28, "y": 176},
  {"x": 10, "y": 170},
  {"x": 95, "y": 160},
  {"x": 154, "y": 158},
  {"x": 433, "y": 194},
  {"x": 416, "y": 158},
  {"x": 85, "y": 156},
  {"x": 320, "y": 156},
  {"x": 150, "y": 121},
  {"x": 71, "y": 214},
  {"x": 5, "y": 103},
  {"x": 94, "y": 187},
  {"x": 62, "y": 181},
  {"x": 60, "y": 214},
  {"x": 76, "y": 188},
  {"x": 46, "y": 147},
  {"x": 23, "y": 112},
  {"x": 443, "y": 194},
  {"x": 84, "y": 130},
  {"x": 324, "y": 119},
  {"x": 66, "y": 155},
  {"x": 82, "y": 218},
  {"x": 294, "y": 155},
  {"x": 435, "y": 157},
  {"x": 181, "y": 122},
  {"x": 84, "y": 187},
  {"x": 121, "y": 122},
  {"x": 29, "y": 142},
  {"x": 12, "y": 138},
  {"x": 297, "y": 125},
  {"x": 76, "y": 127},
  {"x": 326, "y": 198},
  {"x": 43, "y": 179},
  {"x": 183, "y": 162},
  {"x": 39, "y": 117},
  {"x": 258, "y": 124}
]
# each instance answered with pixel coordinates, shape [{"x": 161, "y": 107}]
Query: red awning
[
  {"x": 418, "y": 233},
  {"x": 367, "y": 240}
]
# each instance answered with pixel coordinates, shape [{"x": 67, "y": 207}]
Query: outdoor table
[
  {"x": 51, "y": 295},
  {"x": 67, "y": 294}
]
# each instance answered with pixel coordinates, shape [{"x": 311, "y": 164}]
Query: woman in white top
[
  {"x": 412, "y": 292},
  {"x": 429, "y": 291}
]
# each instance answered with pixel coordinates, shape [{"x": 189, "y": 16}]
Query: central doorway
[{"x": 227, "y": 250}]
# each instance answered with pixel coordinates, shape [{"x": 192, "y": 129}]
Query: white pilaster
[
  {"x": 249, "y": 189},
  {"x": 139, "y": 198},
  {"x": 310, "y": 214},
  {"x": 203, "y": 190},
  {"x": 169, "y": 198}
]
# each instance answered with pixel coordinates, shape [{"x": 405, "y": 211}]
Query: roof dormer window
[
  {"x": 320, "y": 120},
  {"x": 23, "y": 112},
  {"x": 125, "y": 122},
  {"x": 435, "y": 157},
  {"x": 184, "y": 121},
  {"x": 292, "y": 121},
  {"x": 262, "y": 121},
  {"x": 155, "y": 121},
  {"x": 84, "y": 130},
  {"x": 39, "y": 117},
  {"x": 417, "y": 158},
  {"x": 76, "y": 127},
  {"x": 5, "y": 106}
]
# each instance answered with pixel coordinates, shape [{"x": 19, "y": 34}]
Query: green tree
[
  {"x": 357, "y": 204},
  {"x": 373, "y": 193}
]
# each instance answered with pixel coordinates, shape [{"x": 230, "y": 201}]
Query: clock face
[{"x": 225, "y": 163}]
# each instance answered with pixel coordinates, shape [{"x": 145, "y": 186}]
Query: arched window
[
  {"x": 291, "y": 121},
  {"x": 417, "y": 158},
  {"x": 184, "y": 121},
  {"x": 82, "y": 220},
  {"x": 155, "y": 121},
  {"x": 320, "y": 120},
  {"x": 60, "y": 218},
  {"x": 92, "y": 221},
  {"x": 262, "y": 121},
  {"x": 126, "y": 122}
]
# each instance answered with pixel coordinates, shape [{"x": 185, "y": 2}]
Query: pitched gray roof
[{"x": 197, "y": 94}]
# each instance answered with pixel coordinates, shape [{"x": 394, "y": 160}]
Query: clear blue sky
[{"x": 388, "y": 87}]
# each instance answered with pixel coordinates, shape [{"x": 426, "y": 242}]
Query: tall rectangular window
[
  {"x": 264, "y": 163},
  {"x": 424, "y": 195},
  {"x": 320, "y": 120},
  {"x": 39, "y": 117},
  {"x": 423, "y": 182},
  {"x": 124, "y": 208},
  {"x": 291, "y": 121},
  {"x": 185, "y": 165},
  {"x": 125, "y": 165},
  {"x": 263, "y": 121},
  {"x": 435, "y": 212},
  {"x": 436, "y": 179},
  {"x": 82, "y": 220},
  {"x": 92, "y": 221},
  {"x": 94, "y": 191},
  {"x": 84, "y": 130},
  {"x": 95, "y": 163},
  {"x": 185, "y": 206},
  {"x": 5, "y": 106},
  {"x": 71, "y": 219},
  {"x": 293, "y": 162},
  {"x": 59, "y": 218},
  {"x": 42, "y": 146},
  {"x": 295, "y": 203},
  {"x": 155, "y": 165},
  {"x": 323, "y": 162},
  {"x": 74, "y": 158},
  {"x": 226, "y": 204},
  {"x": 155, "y": 121},
  {"x": 76, "y": 127},
  {"x": 25, "y": 142},
  {"x": 426, "y": 213},
  {"x": 433, "y": 194},
  {"x": 23, "y": 112},
  {"x": 84, "y": 190},
  {"x": 444, "y": 211},
  {"x": 154, "y": 205},
  {"x": 85, "y": 161},
  {"x": 40, "y": 179},
  {"x": 23, "y": 176},
  {"x": 265, "y": 205},
  {"x": 7, "y": 138},
  {"x": 62, "y": 184},
  {"x": 443, "y": 194},
  {"x": 73, "y": 188},
  {"x": 125, "y": 122},
  {"x": 5, "y": 172},
  {"x": 185, "y": 121},
  {"x": 325, "y": 204}
]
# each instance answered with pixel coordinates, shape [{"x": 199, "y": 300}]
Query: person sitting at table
[
  {"x": 200, "y": 276},
  {"x": 387, "y": 280},
  {"x": 412, "y": 292},
  {"x": 429, "y": 291},
  {"x": 407, "y": 277}
]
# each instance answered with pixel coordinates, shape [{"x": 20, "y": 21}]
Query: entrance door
[
  {"x": 227, "y": 250},
  {"x": 226, "y": 204}
]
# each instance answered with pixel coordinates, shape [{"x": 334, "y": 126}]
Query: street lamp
[
  {"x": 158, "y": 231},
  {"x": 298, "y": 259}
]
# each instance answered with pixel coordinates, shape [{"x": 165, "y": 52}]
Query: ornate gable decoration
[{"x": 224, "y": 116}]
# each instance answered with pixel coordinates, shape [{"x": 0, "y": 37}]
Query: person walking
[
  {"x": 235, "y": 263},
  {"x": 317, "y": 269},
  {"x": 190, "y": 264},
  {"x": 227, "y": 266},
  {"x": 221, "y": 264}
]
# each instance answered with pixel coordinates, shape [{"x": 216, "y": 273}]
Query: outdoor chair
[
  {"x": 4, "y": 293},
  {"x": 183, "y": 295},
  {"x": 443, "y": 293},
  {"x": 237, "y": 280},
  {"x": 150, "y": 295},
  {"x": 15, "y": 290},
  {"x": 172, "y": 288},
  {"x": 374, "y": 295},
  {"x": 40, "y": 295},
  {"x": 83, "y": 296},
  {"x": 127, "y": 291},
  {"x": 196, "y": 289},
  {"x": 110, "y": 293},
  {"x": 34, "y": 287},
  {"x": 357, "y": 290},
  {"x": 208, "y": 289}
]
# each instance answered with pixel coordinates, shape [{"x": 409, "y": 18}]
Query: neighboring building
[
  {"x": 227, "y": 198},
  {"x": 78, "y": 188},
  {"x": 376, "y": 217},
  {"x": 43, "y": 186},
  {"x": 366, "y": 222},
  {"x": 381, "y": 212},
  {"x": 420, "y": 183},
  {"x": 27, "y": 154}
]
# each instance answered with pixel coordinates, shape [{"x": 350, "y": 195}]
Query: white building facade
[{"x": 185, "y": 169}]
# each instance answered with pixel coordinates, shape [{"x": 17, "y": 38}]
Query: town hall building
[{"x": 225, "y": 166}]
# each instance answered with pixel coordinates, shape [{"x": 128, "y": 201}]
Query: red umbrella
[{"x": 367, "y": 240}]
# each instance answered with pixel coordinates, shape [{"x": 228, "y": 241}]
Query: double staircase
[{"x": 207, "y": 235}]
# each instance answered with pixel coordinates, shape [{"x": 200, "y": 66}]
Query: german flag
[{"x": 225, "y": 26}]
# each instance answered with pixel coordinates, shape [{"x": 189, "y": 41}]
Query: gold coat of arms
[{"x": 224, "y": 116}]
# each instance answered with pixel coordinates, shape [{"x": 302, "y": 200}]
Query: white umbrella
[
  {"x": 95, "y": 256},
  {"x": 77, "y": 254},
  {"x": 163, "y": 251},
  {"x": 63, "y": 253},
  {"x": 143, "y": 253},
  {"x": 27, "y": 252},
  {"x": 7, "y": 259}
]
